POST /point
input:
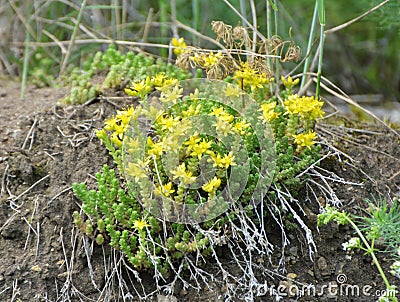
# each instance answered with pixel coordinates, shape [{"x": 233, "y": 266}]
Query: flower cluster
[
  {"x": 118, "y": 125},
  {"x": 176, "y": 134},
  {"x": 248, "y": 76},
  {"x": 142, "y": 88},
  {"x": 268, "y": 112},
  {"x": 307, "y": 107},
  {"x": 179, "y": 45},
  {"x": 305, "y": 139}
]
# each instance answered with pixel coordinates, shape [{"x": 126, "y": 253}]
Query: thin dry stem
[{"x": 348, "y": 23}]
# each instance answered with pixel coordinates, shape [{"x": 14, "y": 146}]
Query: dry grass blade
[
  {"x": 348, "y": 100},
  {"x": 71, "y": 43},
  {"x": 348, "y": 23},
  {"x": 260, "y": 35}
]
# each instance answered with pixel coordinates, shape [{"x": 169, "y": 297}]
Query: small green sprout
[{"x": 332, "y": 214}]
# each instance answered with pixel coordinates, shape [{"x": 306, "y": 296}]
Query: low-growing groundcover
[
  {"x": 221, "y": 171},
  {"x": 195, "y": 161},
  {"x": 57, "y": 263}
]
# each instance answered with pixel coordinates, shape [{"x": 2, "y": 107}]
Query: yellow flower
[
  {"x": 212, "y": 185},
  {"x": 220, "y": 113},
  {"x": 193, "y": 140},
  {"x": 217, "y": 111},
  {"x": 249, "y": 77},
  {"x": 132, "y": 145},
  {"x": 140, "y": 224},
  {"x": 156, "y": 149},
  {"x": 171, "y": 95},
  {"x": 179, "y": 45},
  {"x": 268, "y": 111},
  {"x": 168, "y": 82},
  {"x": 289, "y": 83},
  {"x": 232, "y": 90},
  {"x": 197, "y": 59},
  {"x": 168, "y": 123},
  {"x": 185, "y": 176},
  {"x": 212, "y": 60},
  {"x": 207, "y": 61},
  {"x": 125, "y": 115},
  {"x": 140, "y": 89},
  {"x": 153, "y": 112},
  {"x": 170, "y": 143},
  {"x": 305, "y": 139},
  {"x": 120, "y": 123},
  {"x": 192, "y": 111},
  {"x": 241, "y": 126},
  {"x": 200, "y": 148},
  {"x": 222, "y": 127},
  {"x": 158, "y": 79},
  {"x": 137, "y": 170},
  {"x": 182, "y": 128},
  {"x": 194, "y": 96},
  {"x": 110, "y": 124},
  {"x": 164, "y": 190},
  {"x": 116, "y": 139},
  {"x": 223, "y": 162}
]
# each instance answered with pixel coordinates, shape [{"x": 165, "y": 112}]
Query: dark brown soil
[{"x": 45, "y": 147}]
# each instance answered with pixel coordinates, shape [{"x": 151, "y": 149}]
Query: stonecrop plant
[
  {"x": 195, "y": 161},
  {"x": 120, "y": 67}
]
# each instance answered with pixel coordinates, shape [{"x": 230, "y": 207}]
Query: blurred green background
[{"x": 363, "y": 58}]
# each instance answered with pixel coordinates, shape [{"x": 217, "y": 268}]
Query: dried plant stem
[
  {"x": 260, "y": 35},
  {"x": 343, "y": 96},
  {"x": 26, "y": 63},
  {"x": 254, "y": 17},
  {"x": 117, "y": 18},
  {"x": 309, "y": 46},
  {"x": 72, "y": 41},
  {"x": 147, "y": 25},
  {"x": 344, "y": 25},
  {"x": 321, "y": 17}
]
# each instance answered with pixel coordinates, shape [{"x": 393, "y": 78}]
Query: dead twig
[
  {"x": 30, "y": 188},
  {"x": 3, "y": 180},
  {"x": 30, "y": 136},
  {"x": 344, "y": 25},
  {"x": 394, "y": 176},
  {"x": 59, "y": 194}
]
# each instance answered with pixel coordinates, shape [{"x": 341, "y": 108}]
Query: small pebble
[{"x": 36, "y": 268}]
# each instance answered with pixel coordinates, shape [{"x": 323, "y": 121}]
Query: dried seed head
[
  {"x": 260, "y": 66},
  {"x": 275, "y": 42},
  {"x": 292, "y": 54},
  {"x": 183, "y": 61},
  {"x": 223, "y": 31},
  {"x": 218, "y": 27},
  {"x": 239, "y": 33},
  {"x": 241, "y": 36}
]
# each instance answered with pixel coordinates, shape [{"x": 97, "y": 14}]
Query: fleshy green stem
[{"x": 370, "y": 251}]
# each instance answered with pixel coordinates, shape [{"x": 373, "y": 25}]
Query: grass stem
[
  {"x": 196, "y": 19},
  {"x": 73, "y": 37},
  {"x": 321, "y": 16},
  {"x": 26, "y": 63},
  {"x": 309, "y": 46}
]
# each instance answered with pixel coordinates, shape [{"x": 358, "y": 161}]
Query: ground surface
[{"x": 45, "y": 147}]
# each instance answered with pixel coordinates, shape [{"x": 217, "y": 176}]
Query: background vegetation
[{"x": 48, "y": 36}]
